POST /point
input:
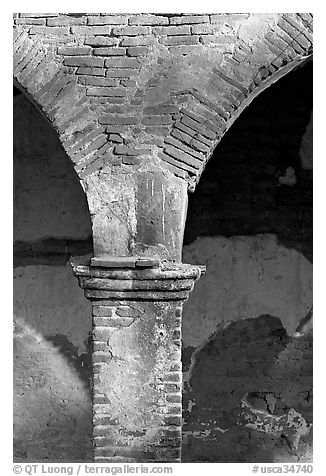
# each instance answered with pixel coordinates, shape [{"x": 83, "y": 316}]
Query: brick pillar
[{"x": 137, "y": 411}]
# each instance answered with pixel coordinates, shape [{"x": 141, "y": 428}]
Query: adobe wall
[{"x": 138, "y": 104}]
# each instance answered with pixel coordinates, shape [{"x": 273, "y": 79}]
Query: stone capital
[{"x": 124, "y": 281}]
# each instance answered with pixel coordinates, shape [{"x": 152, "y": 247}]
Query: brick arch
[
  {"x": 53, "y": 88},
  {"x": 121, "y": 87},
  {"x": 203, "y": 121}
]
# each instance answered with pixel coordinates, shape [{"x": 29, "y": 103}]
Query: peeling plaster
[{"x": 292, "y": 425}]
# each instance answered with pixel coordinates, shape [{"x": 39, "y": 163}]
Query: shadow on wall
[
  {"x": 52, "y": 355},
  {"x": 243, "y": 189},
  {"x": 52, "y": 407},
  {"x": 248, "y": 395}
]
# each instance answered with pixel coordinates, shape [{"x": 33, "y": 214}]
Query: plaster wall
[{"x": 52, "y": 363}]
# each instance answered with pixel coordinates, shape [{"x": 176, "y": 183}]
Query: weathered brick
[
  {"x": 49, "y": 30},
  {"x": 115, "y": 138},
  {"x": 83, "y": 137},
  {"x": 218, "y": 18},
  {"x": 131, "y": 160},
  {"x": 21, "y": 41},
  {"x": 161, "y": 109},
  {"x": 173, "y": 377},
  {"x": 294, "y": 33},
  {"x": 91, "y": 71},
  {"x": 32, "y": 84},
  {"x": 76, "y": 121},
  {"x": 84, "y": 61},
  {"x": 100, "y": 420},
  {"x": 156, "y": 120},
  {"x": 99, "y": 357},
  {"x": 97, "y": 81},
  {"x": 122, "y": 63},
  {"x": 98, "y": 346},
  {"x": 189, "y": 19},
  {"x": 105, "y": 91},
  {"x": 186, "y": 49},
  {"x": 127, "y": 312},
  {"x": 179, "y": 40},
  {"x": 65, "y": 20},
  {"x": 102, "y": 441},
  {"x": 30, "y": 21},
  {"x": 213, "y": 106},
  {"x": 218, "y": 39},
  {"x": 21, "y": 60},
  {"x": 231, "y": 81},
  {"x": 30, "y": 67},
  {"x": 65, "y": 91},
  {"x": 205, "y": 29},
  {"x": 190, "y": 141},
  {"x": 107, "y": 20},
  {"x": 101, "y": 333},
  {"x": 173, "y": 420},
  {"x": 52, "y": 87},
  {"x": 111, "y": 119},
  {"x": 131, "y": 30},
  {"x": 96, "y": 144},
  {"x": 125, "y": 150},
  {"x": 120, "y": 321},
  {"x": 176, "y": 164},
  {"x": 138, "y": 50},
  {"x": 112, "y": 129},
  {"x": 74, "y": 50},
  {"x": 101, "y": 41},
  {"x": 36, "y": 15},
  {"x": 121, "y": 72},
  {"x": 182, "y": 156},
  {"x": 106, "y": 100},
  {"x": 115, "y": 51},
  {"x": 91, "y": 30},
  {"x": 179, "y": 145},
  {"x": 128, "y": 83},
  {"x": 104, "y": 150},
  {"x": 138, "y": 41},
  {"x": 172, "y": 30},
  {"x": 158, "y": 131},
  {"x": 148, "y": 20}
]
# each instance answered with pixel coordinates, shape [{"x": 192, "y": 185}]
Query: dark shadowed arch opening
[
  {"x": 240, "y": 191},
  {"x": 52, "y": 359},
  {"x": 247, "y": 378}
]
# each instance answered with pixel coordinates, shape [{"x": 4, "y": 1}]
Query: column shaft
[{"x": 137, "y": 411}]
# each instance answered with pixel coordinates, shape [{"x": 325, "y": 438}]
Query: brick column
[{"x": 137, "y": 411}]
